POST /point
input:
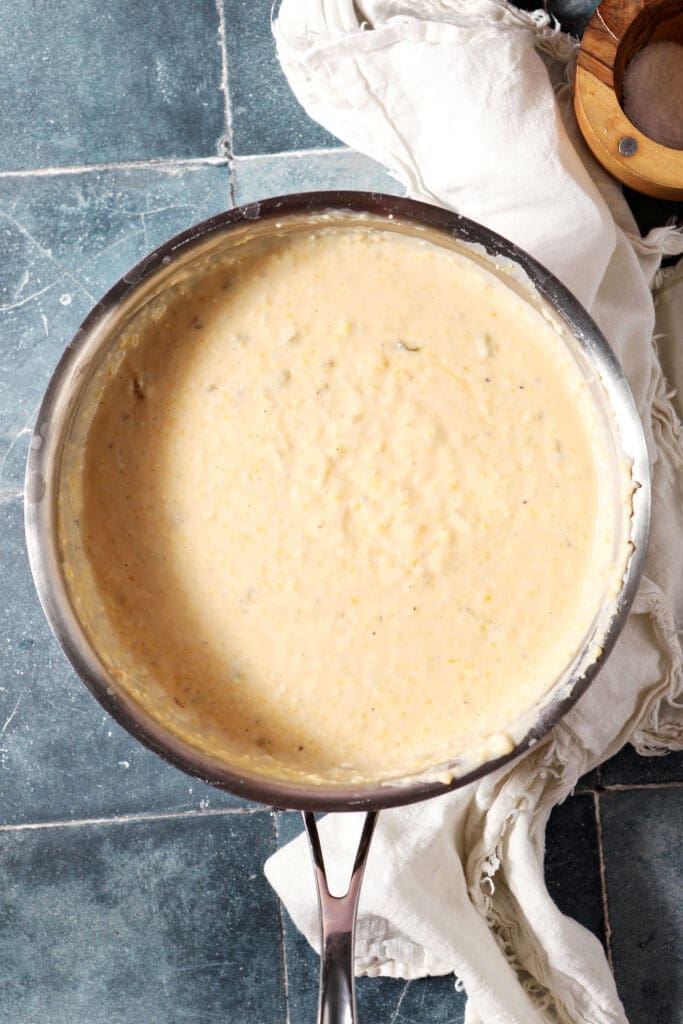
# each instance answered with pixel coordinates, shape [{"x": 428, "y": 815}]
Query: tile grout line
[
  {"x": 126, "y": 818},
  {"x": 603, "y": 881},
  {"x": 122, "y": 165},
  {"x": 225, "y": 88},
  {"x": 276, "y": 829},
  {"x": 300, "y": 153},
  {"x": 233, "y": 184},
  {"x": 628, "y": 787},
  {"x": 189, "y": 162}
]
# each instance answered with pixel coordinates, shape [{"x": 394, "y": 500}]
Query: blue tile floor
[
  {"x": 128, "y": 891},
  {"x": 265, "y": 116},
  {"x": 90, "y": 85}
]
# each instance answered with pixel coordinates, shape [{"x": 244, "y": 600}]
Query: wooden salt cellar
[{"x": 616, "y": 31}]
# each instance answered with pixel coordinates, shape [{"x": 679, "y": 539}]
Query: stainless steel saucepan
[{"x": 213, "y": 239}]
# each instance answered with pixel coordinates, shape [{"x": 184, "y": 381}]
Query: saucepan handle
[{"x": 337, "y": 1000}]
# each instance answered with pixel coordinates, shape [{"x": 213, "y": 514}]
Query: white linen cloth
[{"x": 467, "y": 103}]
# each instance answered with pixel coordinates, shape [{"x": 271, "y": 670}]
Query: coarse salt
[{"x": 652, "y": 92}]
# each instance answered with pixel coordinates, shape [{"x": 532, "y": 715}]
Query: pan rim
[{"x": 40, "y": 510}]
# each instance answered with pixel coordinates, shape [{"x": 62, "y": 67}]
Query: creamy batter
[{"x": 339, "y": 510}]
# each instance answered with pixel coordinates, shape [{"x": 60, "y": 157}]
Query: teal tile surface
[
  {"x": 258, "y": 177},
  {"x": 627, "y": 768},
  {"x": 87, "y": 83},
  {"x": 154, "y": 922},
  {"x": 572, "y": 862},
  {"x": 266, "y": 116},
  {"x": 65, "y": 240},
  {"x": 643, "y": 868}
]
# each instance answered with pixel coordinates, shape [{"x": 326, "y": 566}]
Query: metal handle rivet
[{"x": 628, "y": 145}]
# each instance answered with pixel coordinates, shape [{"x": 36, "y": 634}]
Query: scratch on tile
[
  {"x": 22, "y": 302},
  {"x": 160, "y": 209},
  {"x": 106, "y": 251},
  {"x": 145, "y": 234},
  {"x": 297, "y": 154},
  {"x": 45, "y": 252},
  {"x": 25, "y": 278},
  {"x": 14, "y": 442},
  {"x": 398, "y": 1004},
  {"x": 27, "y": 428},
  {"x": 202, "y": 965},
  {"x": 12, "y": 713}
]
